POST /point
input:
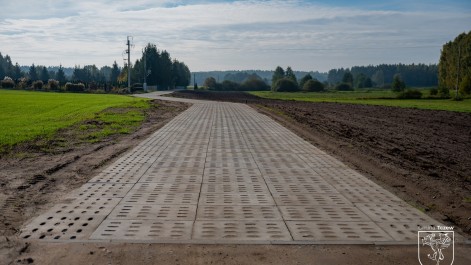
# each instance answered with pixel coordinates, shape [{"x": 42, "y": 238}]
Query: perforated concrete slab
[
  {"x": 293, "y": 179},
  {"x": 242, "y": 231},
  {"x": 337, "y": 231},
  {"x": 238, "y": 212},
  {"x": 223, "y": 173},
  {"x": 154, "y": 212},
  {"x": 300, "y": 188},
  {"x": 102, "y": 190},
  {"x": 252, "y": 188},
  {"x": 143, "y": 230},
  {"x": 62, "y": 226},
  {"x": 151, "y": 187},
  {"x": 236, "y": 199},
  {"x": 323, "y": 213},
  {"x": 283, "y": 199},
  {"x": 157, "y": 198},
  {"x": 87, "y": 206},
  {"x": 391, "y": 212},
  {"x": 232, "y": 178},
  {"x": 165, "y": 178}
]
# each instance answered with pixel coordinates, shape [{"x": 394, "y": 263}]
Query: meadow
[
  {"x": 26, "y": 115},
  {"x": 371, "y": 97}
]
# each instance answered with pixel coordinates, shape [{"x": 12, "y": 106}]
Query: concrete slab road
[{"x": 223, "y": 173}]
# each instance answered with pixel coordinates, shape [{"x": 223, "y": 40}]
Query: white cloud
[{"x": 226, "y": 35}]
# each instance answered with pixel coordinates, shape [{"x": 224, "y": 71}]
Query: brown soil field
[{"x": 423, "y": 156}]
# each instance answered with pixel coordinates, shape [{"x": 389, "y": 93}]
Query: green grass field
[
  {"x": 373, "y": 97},
  {"x": 28, "y": 115}
]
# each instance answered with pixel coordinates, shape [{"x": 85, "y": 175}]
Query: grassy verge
[
  {"x": 26, "y": 116},
  {"x": 373, "y": 97}
]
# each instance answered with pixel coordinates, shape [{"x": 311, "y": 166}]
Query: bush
[
  {"x": 398, "y": 85},
  {"x": 7, "y": 82},
  {"x": 410, "y": 94},
  {"x": 433, "y": 92},
  {"x": 465, "y": 85},
  {"x": 313, "y": 86},
  {"x": 254, "y": 84},
  {"x": 286, "y": 85},
  {"x": 53, "y": 84},
  {"x": 443, "y": 92},
  {"x": 344, "y": 87},
  {"x": 22, "y": 83},
  {"x": 74, "y": 87},
  {"x": 119, "y": 90},
  {"x": 38, "y": 85},
  {"x": 228, "y": 85}
]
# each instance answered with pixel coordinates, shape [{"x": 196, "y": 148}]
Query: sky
[{"x": 232, "y": 35}]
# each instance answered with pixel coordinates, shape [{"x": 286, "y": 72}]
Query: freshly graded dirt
[{"x": 423, "y": 156}]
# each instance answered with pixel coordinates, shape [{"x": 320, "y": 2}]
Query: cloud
[{"x": 227, "y": 35}]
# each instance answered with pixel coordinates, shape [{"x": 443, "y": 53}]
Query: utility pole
[
  {"x": 145, "y": 69},
  {"x": 128, "y": 51},
  {"x": 458, "y": 72}
]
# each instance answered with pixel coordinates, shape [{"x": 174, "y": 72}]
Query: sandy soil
[{"x": 30, "y": 189}]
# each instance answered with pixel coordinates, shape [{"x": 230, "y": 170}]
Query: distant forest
[
  {"x": 241, "y": 76},
  {"x": 155, "y": 67},
  {"x": 414, "y": 75},
  {"x": 167, "y": 73}
]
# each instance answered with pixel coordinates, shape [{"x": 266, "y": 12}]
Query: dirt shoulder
[
  {"x": 420, "y": 155},
  {"x": 35, "y": 175},
  {"x": 150, "y": 254}
]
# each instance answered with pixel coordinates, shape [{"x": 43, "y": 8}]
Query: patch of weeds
[
  {"x": 273, "y": 110},
  {"x": 421, "y": 208},
  {"x": 112, "y": 121},
  {"x": 123, "y": 119},
  {"x": 467, "y": 199}
]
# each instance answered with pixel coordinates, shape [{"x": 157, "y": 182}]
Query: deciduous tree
[{"x": 277, "y": 75}]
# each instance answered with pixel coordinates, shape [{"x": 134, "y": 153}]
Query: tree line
[
  {"x": 416, "y": 75},
  {"x": 157, "y": 69},
  {"x": 454, "y": 68},
  {"x": 249, "y": 82},
  {"x": 161, "y": 72},
  {"x": 381, "y": 76}
]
